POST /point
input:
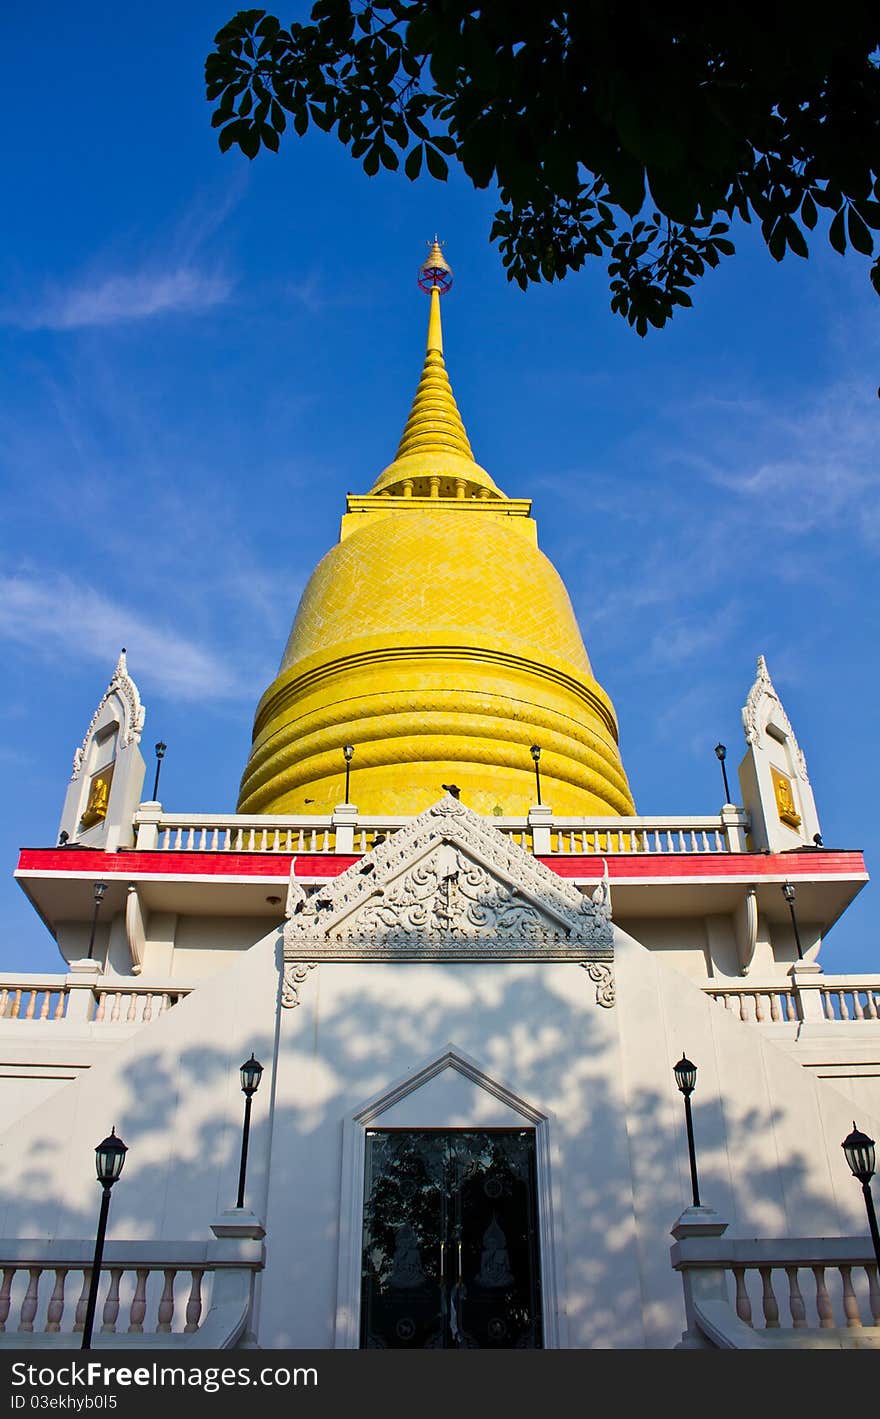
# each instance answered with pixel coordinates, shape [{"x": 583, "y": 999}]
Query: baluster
[
  {"x": 873, "y": 1291},
  {"x": 117, "y": 1001},
  {"x": 775, "y": 1012},
  {"x": 166, "y": 1301},
  {"x": 164, "y": 1003},
  {"x": 844, "y": 1009},
  {"x": 131, "y": 1015},
  {"x": 194, "y": 1304},
  {"x": 138, "y": 1303},
  {"x": 79, "y": 1319},
  {"x": 252, "y": 840},
  {"x": 110, "y": 1313},
  {"x": 5, "y": 1295},
  {"x": 857, "y": 1006},
  {"x": 759, "y": 1007},
  {"x": 29, "y": 1304},
  {"x": 850, "y": 1300},
  {"x": 4, "y": 999},
  {"x": 148, "y": 1008},
  {"x": 56, "y": 1301},
  {"x": 44, "y": 1008},
  {"x": 59, "y": 1008},
  {"x": 827, "y": 1005},
  {"x": 870, "y": 1002},
  {"x": 771, "y": 1308},
  {"x": 102, "y": 1006},
  {"x": 16, "y": 1005},
  {"x": 795, "y": 1299},
  {"x": 743, "y": 1304},
  {"x": 823, "y": 1300}
]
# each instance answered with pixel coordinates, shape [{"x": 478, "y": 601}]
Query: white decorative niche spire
[
  {"x": 773, "y": 775},
  {"x": 108, "y": 768}
]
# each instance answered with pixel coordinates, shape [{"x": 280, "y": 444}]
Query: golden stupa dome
[{"x": 439, "y": 642}]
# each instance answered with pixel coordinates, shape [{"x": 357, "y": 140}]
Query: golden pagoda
[{"x": 438, "y": 642}]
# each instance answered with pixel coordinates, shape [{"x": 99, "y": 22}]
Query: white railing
[
  {"x": 111, "y": 1002},
  {"x": 233, "y": 832},
  {"x": 781, "y": 1292},
  {"x": 836, "y": 998},
  {"x": 149, "y": 1292}
]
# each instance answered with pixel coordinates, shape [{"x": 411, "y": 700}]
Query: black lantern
[
  {"x": 109, "y": 1158},
  {"x": 160, "y": 755},
  {"x": 97, "y": 896},
  {"x": 251, "y": 1073},
  {"x": 789, "y": 895},
  {"x": 858, "y": 1150},
  {"x": 721, "y": 755},
  {"x": 686, "y": 1077},
  {"x": 536, "y": 755},
  {"x": 348, "y": 755}
]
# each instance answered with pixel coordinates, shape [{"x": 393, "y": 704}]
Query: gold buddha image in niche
[
  {"x": 785, "y": 805},
  {"x": 99, "y": 795}
]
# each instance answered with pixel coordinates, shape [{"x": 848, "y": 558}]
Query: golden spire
[{"x": 434, "y": 442}]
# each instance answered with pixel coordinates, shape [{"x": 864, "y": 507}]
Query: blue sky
[{"x": 201, "y": 356}]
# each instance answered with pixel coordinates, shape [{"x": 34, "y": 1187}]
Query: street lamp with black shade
[
  {"x": 98, "y": 896},
  {"x": 721, "y": 755},
  {"x": 789, "y": 894},
  {"x": 858, "y": 1150},
  {"x": 348, "y": 754},
  {"x": 536, "y": 755},
  {"x": 160, "y": 755},
  {"x": 109, "y": 1158},
  {"x": 686, "y": 1077},
  {"x": 251, "y": 1073}
]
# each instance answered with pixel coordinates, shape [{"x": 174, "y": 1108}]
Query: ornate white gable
[
  {"x": 131, "y": 713},
  {"x": 449, "y": 886},
  {"x": 764, "y": 706}
]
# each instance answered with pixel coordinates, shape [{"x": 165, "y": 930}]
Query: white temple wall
[{"x": 768, "y": 1133}]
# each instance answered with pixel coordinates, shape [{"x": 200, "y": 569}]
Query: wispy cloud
[
  {"x": 111, "y": 300},
  {"x": 59, "y": 615}
]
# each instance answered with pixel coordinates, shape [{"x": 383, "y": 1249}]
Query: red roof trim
[{"x": 624, "y": 867}]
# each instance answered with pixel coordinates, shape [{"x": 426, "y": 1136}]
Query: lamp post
[
  {"x": 109, "y": 1158},
  {"x": 99, "y": 890},
  {"x": 348, "y": 754},
  {"x": 251, "y": 1072},
  {"x": 859, "y": 1151},
  {"x": 788, "y": 894},
  {"x": 160, "y": 755},
  {"x": 686, "y": 1077},
  {"x": 721, "y": 755},
  {"x": 536, "y": 755}
]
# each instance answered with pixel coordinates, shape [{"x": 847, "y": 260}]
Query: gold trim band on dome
[
  {"x": 344, "y": 716},
  {"x": 387, "y": 754},
  {"x": 315, "y": 754},
  {"x": 274, "y": 701}
]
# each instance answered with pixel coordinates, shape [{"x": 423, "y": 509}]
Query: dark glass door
[{"x": 450, "y": 1256}]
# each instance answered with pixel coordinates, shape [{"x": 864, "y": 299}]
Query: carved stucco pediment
[{"x": 448, "y": 886}]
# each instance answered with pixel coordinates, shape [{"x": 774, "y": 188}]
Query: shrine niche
[{"x": 108, "y": 769}]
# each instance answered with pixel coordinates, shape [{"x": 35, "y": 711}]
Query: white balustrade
[
  {"x": 786, "y": 1286},
  {"x": 159, "y": 1290},
  {"x": 845, "y": 999},
  {"x": 644, "y": 836},
  {"x": 113, "y": 1002}
]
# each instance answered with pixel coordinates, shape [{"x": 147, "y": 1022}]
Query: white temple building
[{"x": 468, "y": 967}]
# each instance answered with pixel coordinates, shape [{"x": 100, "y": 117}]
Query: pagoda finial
[{"x": 435, "y": 273}]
